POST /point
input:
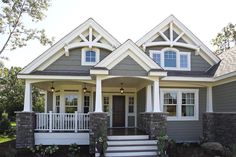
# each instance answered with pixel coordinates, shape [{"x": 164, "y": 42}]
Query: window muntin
[
  {"x": 71, "y": 103},
  {"x": 170, "y": 59},
  {"x": 182, "y": 104},
  {"x": 131, "y": 105},
  {"x": 58, "y": 104},
  {"x": 106, "y": 104},
  {"x": 90, "y": 56},
  {"x": 183, "y": 61},
  {"x": 157, "y": 58},
  {"x": 86, "y": 103},
  {"x": 170, "y": 103}
]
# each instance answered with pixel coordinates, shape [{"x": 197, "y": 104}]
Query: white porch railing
[{"x": 62, "y": 122}]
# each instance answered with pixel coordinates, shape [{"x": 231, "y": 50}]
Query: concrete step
[
  {"x": 130, "y": 154},
  {"x": 131, "y": 148},
  {"x": 129, "y": 137},
  {"x": 133, "y": 142}
]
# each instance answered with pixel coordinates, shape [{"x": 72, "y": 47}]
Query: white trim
[
  {"x": 209, "y": 105},
  {"x": 67, "y": 39},
  {"x": 83, "y": 56},
  {"x": 179, "y": 91},
  {"x": 98, "y": 71},
  {"x": 178, "y": 53},
  {"x": 28, "y": 97},
  {"x": 88, "y": 44},
  {"x": 55, "y": 77},
  {"x": 131, "y": 49},
  {"x": 197, "y": 79},
  {"x": 185, "y": 30},
  {"x": 148, "y": 98},
  {"x": 61, "y": 138},
  {"x": 157, "y": 73}
]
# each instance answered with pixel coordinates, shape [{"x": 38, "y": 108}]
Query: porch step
[{"x": 130, "y": 145}]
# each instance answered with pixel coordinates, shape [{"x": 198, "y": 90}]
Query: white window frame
[
  {"x": 178, "y": 53},
  {"x": 179, "y": 92},
  {"x": 83, "y": 56}
]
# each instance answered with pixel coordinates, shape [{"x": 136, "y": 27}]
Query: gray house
[{"x": 168, "y": 80}]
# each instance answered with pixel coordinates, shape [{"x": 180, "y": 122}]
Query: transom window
[
  {"x": 172, "y": 59},
  {"x": 181, "y": 104},
  {"x": 90, "y": 57},
  {"x": 71, "y": 103}
]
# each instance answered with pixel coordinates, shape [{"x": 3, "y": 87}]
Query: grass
[{"x": 4, "y": 139}]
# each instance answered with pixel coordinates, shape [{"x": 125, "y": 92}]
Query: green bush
[
  {"x": 42, "y": 151},
  {"x": 5, "y": 124},
  {"x": 74, "y": 150}
]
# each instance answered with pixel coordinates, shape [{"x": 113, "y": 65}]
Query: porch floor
[{"x": 124, "y": 131}]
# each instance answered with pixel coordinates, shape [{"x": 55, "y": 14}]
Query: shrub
[
  {"x": 74, "y": 150},
  {"x": 162, "y": 144},
  {"x": 41, "y": 151},
  {"x": 5, "y": 124}
]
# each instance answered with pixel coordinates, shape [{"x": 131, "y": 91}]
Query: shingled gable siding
[
  {"x": 224, "y": 97},
  {"x": 128, "y": 67},
  {"x": 197, "y": 62},
  {"x": 73, "y": 62},
  {"x": 181, "y": 131}
]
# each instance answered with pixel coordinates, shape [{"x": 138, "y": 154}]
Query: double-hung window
[
  {"x": 181, "y": 104},
  {"x": 71, "y": 103}
]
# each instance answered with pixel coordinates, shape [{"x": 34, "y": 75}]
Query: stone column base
[
  {"x": 97, "y": 128},
  {"x": 25, "y": 125},
  {"x": 153, "y": 123}
]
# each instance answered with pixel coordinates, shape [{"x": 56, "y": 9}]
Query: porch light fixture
[
  {"x": 52, "y": 88},
  {"x": 121, "y": 89},
  {"x": 85, "y": 88}
]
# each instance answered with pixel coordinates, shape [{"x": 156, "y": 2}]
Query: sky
[{"x": 127, "y": 19}]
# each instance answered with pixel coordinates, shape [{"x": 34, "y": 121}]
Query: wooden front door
[{"x": 118, "y": 111}]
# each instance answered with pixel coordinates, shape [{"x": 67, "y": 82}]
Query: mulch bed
[{"x": 62, "y": 152}]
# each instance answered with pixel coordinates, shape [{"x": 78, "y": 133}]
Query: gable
[
  {"x": 72, "y": 63},
  {"x": 128, "y": 67},
  {"x": 88, "y": 34},
  {"x": 172, "y": 33}
]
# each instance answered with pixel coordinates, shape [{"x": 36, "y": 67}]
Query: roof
[{"x": 228, "y": 63}]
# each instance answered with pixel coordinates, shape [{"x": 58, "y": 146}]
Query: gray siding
[
  {"x": 188, "y": 131},
  {"x": 197, "y": 62},
  {"x": 128, "y": 67},
  {"x": 224, "y": 97},
  {"x": 73, "y": 62},
  {"x": 49, "y": 101}
]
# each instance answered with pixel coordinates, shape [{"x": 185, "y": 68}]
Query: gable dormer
[
  {"x": 174, "y": 47},
  {"x": 86, "y": 45}
]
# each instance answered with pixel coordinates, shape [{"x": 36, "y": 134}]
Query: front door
[{"x": 118, "y": 111}]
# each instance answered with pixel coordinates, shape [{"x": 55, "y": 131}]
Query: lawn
[{"x": 5, "y": 138}]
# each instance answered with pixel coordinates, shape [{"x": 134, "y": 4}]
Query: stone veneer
[
  {"x": 153, "y": 123},
  {"x": 97, "y": 127},
  {"x": 25, "y": 125},
  {"x": 220, "y": 127}
]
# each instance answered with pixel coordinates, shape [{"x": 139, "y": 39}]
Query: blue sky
[{"x": 128, "y": 19}]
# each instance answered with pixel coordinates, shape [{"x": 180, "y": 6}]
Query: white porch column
[
  {"x": 28, "y": 96},
  {"x": 148, "y": 98},
  {"x": 98, "y": 103},
  {"x": 209, "y": 105},
  {"x": 156, "y": 96}
]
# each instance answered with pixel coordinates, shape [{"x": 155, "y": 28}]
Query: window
[
  {"x": 58, "y": 104},
  {"x": 105, "y": 104},
  {"x": 170, "y": 58},
  {"x": 182, "y": 104},
  {"x": 71, "y": 103},
  {"x": 90, "y": 57},
  {"x": 131, "y": 105},
  {"x": 157, "y": 58},
  {"x": 170, "y": 103},
  {"x": 86, "y": 103}
]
